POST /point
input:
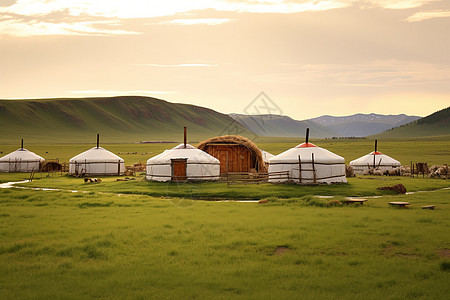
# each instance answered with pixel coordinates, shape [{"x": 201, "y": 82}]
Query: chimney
[
  {"x": 185, "y": 136},
  {"x": 98, "y": 140},
  {"x": 307, "y": 135},
  {"x": 21, "y": 145}
]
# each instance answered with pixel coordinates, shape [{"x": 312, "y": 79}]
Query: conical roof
[
  {"x": 193, "y": 155},
  {"x": 96, "y": 155},
  {"x": 266, "y": 156},
  {"x": 23, "y": 155},
  {"x": 380, "y": 160},
  {"x": 305, "y": 150}
]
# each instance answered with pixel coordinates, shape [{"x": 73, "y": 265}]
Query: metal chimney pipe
[
  {"x": 375, "y": 153},
  {"x": 21, "y": 145},
  {"x": 98, "y": 140},
  {"x": 307, "y": 135},
  {"x": 185, "y": 136}
]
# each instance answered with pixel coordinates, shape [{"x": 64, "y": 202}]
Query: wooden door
[
  {"x": 179, "y": 169},
  {"x": 222, "y": 156}
]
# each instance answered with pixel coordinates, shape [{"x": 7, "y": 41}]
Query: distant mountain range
[
  {"x": 358, "y": 125},
  {"x": 436, "y": 124},
  {"x": 281, "y": 126},
  {"x": 361, "y": 125},
  {"x": 133, "y": 119}
]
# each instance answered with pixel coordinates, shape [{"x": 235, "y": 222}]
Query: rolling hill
[
  {"x": 436, "y": 124},
  {"x": 361, "y": 125},
  {"x": 281, "y": 126},
  {"x": 117, "y": 119}
]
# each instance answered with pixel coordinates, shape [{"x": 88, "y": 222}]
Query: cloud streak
[
  {"x": 426, "y": 15},
  {"x": 39, "y": 28},
  {"x": 385, "y": 73},
  {"x": 203, "y": 21},
  {"x": 15, "y": 18},
  {"x": 189, "y": 65},
  {"x": 122, "y": 93}
]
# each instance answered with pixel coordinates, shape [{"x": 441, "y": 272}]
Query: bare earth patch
[
  {"x": 280, "y": 250},
  {"x": 444, "y": 253}
]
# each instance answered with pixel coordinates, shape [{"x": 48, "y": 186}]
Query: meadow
[
  {"x": 59, "y": 244},
  {"x": 141, "y": 240},
  {"x": 434, "y": 150}
]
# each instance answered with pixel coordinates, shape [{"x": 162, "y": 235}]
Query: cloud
[
  {"x": 38, "y": 28},
  {"x": 426, "y": 15},
  {"x": 85, "y": 14},
  {"x": 180, "y": 65},
  {"x": 121, "y": 93},
  {"x": 203, "y": 21},
  {"x": 384, "y": 73},
  {"x": 401, "y": 4},
  {"x": 150, "y": 9}
]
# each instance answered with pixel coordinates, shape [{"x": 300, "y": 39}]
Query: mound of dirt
[{"x": 398, "y": 188}]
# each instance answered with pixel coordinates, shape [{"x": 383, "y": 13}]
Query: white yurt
[
  {"x": 183, "y": 162},
  {"x": 266, "y": 156},
  {"x": 21, "y": 160},
  {"x": 306, "y": 164},
  {"x": 96, "y": 161},
  {"x": 374, "y": 160}
]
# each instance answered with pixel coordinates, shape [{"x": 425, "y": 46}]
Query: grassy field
[
  {"x": 65, "y": 245},
  {"x": 431, "y": 150},
  {"x": 140, "y": 240}
]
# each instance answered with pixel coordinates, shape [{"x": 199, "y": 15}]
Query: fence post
[
  {"x": 313, "y": 167},
  {"x": 299, "y": 169}
]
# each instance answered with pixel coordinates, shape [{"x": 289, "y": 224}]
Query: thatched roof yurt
[
  {"x": 21, "y": 160},
  {"x": 374, "y": 160},
  {"x": 306, "y": 164},
  {"x": 96, "y": 161},
  {"x": 235, "y": 153},
  {"x": 183, "y": 162}
]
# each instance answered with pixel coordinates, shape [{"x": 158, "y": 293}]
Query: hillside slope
[
  {"x": 281, "y": 126},
  {"x": 117, "y": 119},
  {"x": 436, "y": 124},
  {"x": 361, "y": 125}
]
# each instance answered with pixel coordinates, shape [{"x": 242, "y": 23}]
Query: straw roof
[{"x": 240, "y": 140}]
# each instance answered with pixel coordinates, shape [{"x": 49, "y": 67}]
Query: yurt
[
  {"x": 21, "y": 160},
  {"x": 266, "y": 157},
  {"x": 96, "y": 161},
  {"x": 374, "y": 160},
  {"x": 307, "y": 164},
  {"x": 183, "y": 162},
  {"x": 235, "y": 153}
]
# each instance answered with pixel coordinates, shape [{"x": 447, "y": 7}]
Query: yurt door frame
[{"x": 179, "y": 168}]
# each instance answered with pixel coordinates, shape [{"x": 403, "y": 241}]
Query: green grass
[
  {"x": 359, "y": 186},
  {"x": 92, "y": 245},
  {"x": 431, "y": 150},
  {"x": 115, "y": 240}
]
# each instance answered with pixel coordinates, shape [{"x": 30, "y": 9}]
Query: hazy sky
[{"x": 311, "y": 57}]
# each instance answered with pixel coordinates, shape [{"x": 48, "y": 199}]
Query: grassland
[
  {"x": 58, "y": 244},
  {"x": 140, "y": 240},
  {"x": 432, "y": 150}
]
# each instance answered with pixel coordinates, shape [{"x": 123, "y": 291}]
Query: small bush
[
  {"x": 94, "y": 204},
  {"x": 445, "y": 266}
]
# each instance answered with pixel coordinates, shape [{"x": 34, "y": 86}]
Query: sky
[{"x": 306, "y": 57}]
